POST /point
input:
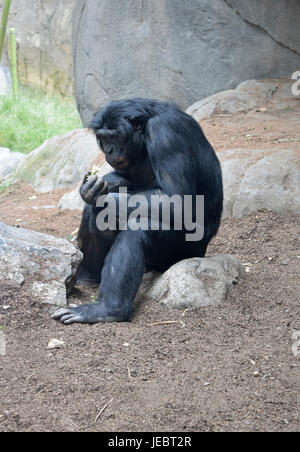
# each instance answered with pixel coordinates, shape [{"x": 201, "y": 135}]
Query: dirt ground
[{"x": 228, "y": 368}]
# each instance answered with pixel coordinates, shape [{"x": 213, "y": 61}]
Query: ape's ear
[{"x": 137, "y": 123}]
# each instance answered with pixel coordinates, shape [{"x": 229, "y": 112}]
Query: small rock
[{"x": 55, "y": 343}]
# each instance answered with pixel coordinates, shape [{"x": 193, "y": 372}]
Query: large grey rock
[
  {"x": 43, "y": 32},
  {"x": 5, "y": 80},
  {"x": 8, "y": 162},
  {"x": 280, "y": 19},
  {"x": 45, "y": 265},
  {"x": 261, "y": 179},
  {"x": 60, "y": 162},
  {"x": 180, "y": 51},
  {"x": 193, "y": 282},
  {"x": 273, "y": 94}
]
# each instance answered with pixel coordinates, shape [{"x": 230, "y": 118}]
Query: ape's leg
[
  {"x": 93, "y": 243},
  {"x": 94, "y": 247},
  {"x": 121, "y": 277}
]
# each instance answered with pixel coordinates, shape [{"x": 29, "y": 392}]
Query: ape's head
[{"x": 120, "y": 129}]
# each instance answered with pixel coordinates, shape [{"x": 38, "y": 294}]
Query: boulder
[
  {"x": 268, "y": 16},
  {"x": 179, "y": 51},
  {"x": 8, "y": 162},
  {"x": 43, "y": 33},
  {"x": 60, "y": 162},
  {"x": 193, "y": 282},
  {"x": 261, "y": 179},
  {"x": 5, "y": 80},
  {"x": 272, "y": 94},
  {"x": 46, "y": 266}
]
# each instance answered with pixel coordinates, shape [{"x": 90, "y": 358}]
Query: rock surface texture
[
  {"x": 193, "y": 282},
  {"x": 261, "y": 179},
  {"x": 60, "y": 162},
  {"x": 269, "y": 94},
  {"x": 46, "y": 266},
  {"x": 179, "y": 51}
]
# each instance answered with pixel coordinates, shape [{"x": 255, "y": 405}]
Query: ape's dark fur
[{"x": 155, "y": 148}]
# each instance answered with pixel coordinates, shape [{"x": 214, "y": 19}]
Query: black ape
[{"x": 155, "y": 148}]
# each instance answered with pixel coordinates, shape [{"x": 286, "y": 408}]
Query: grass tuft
[{"x": 32, "y": 118}]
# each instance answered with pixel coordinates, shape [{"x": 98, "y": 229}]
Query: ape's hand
[{"x": 92, "y": 187}]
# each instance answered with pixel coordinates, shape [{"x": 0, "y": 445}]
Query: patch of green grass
[
  {"x": 32, "y": 118},
  {"x": 6, "y": 187}
]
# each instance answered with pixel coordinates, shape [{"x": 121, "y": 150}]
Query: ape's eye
[{"x": 136, "y": 124}]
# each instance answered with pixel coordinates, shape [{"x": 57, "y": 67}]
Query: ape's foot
[
  {"x": 85, "y": 279},
  {"x": 89, "y": 313}
]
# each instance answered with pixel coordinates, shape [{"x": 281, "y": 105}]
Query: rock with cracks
[
  {"x": 38, "y": 263},
  {"x": 195, "y": 282},
  {"x": 179, "y": 50}
]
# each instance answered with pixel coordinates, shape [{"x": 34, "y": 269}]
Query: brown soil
[{"x": 229, "y": 368}]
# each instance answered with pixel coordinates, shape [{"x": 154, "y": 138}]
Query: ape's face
[{"x": 122, "y": 140}]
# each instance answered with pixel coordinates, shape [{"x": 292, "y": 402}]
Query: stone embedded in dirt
[
  {"x": 9, "y": 162},
  {"x": 257, "y": 179},
  {"x": 43, "y": 265},
  {"x": 193, "y": 282},
  {"x": 260, "y": 95},
  {"x": 55, "y": 343},
  {"x": 60, "y": 162}
]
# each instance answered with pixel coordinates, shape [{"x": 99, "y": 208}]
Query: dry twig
[
  {"x": 102, "y": 410},
  {"x": 167, "y": 322}
]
